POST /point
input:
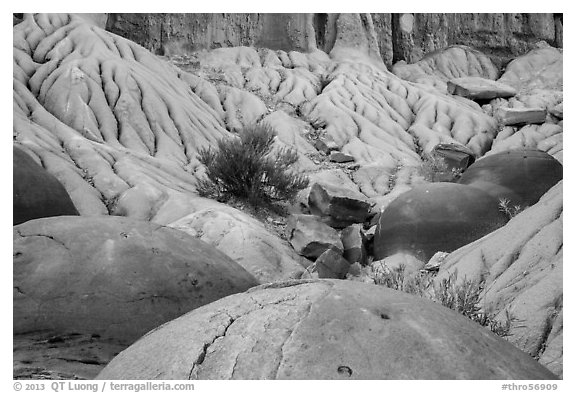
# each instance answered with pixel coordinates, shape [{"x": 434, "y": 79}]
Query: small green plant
[
  {"x": 248, "y": 168},
  {"x": 397, "y": 279},
  {"x": 510, "y": 211},
  {"x": 435, "y": 169},
  {"x": 463, "y": 297}
]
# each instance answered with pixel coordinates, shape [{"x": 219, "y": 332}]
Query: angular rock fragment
[
  {"x": 326, "y": 145},
  {"x": 338, "y": 207},
  {"x": 518, "y": 116},
  {"x": 331, "y": 264},
  {"x": 336, "y": 156},
  {"x": 354, "y": 242},
  {"x": 322, "y": 329},
  {"x": 455, "y": 156},
  {"x": 36, "y": 193},
  {"x": 476, "y": 88},
  {"x": 310, "y": 237}
]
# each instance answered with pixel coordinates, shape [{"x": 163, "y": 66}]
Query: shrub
[
  {"x": 510, "y": 211},
  {"x": 461, "y": 297},
  {"x": 435, "y": 169},
  {"x": 247, "y": 167}
]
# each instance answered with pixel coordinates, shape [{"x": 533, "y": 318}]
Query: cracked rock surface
[
  {"x": 322, "y": 329},
  {"x": 113, "y": 276}
]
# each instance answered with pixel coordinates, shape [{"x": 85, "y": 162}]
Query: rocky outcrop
[
  {"x": 519, "y": 176},
  {"x": 245, "y": 240},
  {"x": 35, "y": 192},
  {"x": 322, "y": 329},
  {"x": 500, "y": 36},
  {"x": 521, "y": 265},
  {"x": 113, "y": 276},
  {"x": 392, "y": 37},
  {"x": 435, "y": 217}
]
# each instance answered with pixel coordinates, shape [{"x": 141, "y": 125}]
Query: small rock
[
  {"x": 355, "y": 270},
  {"x": 332, "y": 264},
  {"x": 513, "y": 116},
  {"x": 558, "y": 111},
  {"x": 436, "y": 260},
  {"x": 310, "y": 237},
  {"x": 325, "y": 145},
  {"x": 476, "y": 88},
  {"x": 455, "y": 156},
  {"x": 370, "y": 232},
  {"x": 354, "y": 243},
  {"x": 338, "y": 207},
  {"x": 337, "y": 156}
]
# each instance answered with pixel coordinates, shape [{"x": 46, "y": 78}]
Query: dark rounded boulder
[
  {"x": 113, "y": 276},
  {"x": 36, "y": 193},
  {"x": 322, "y": 329},
  {"x": 521, "y": 176},
  {"x": 435, "y": 217}
]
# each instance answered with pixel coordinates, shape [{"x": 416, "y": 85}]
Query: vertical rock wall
[{"x": 396, "y": 36}]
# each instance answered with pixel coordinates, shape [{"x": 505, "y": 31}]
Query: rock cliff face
[{"x": 397, "y": 36}]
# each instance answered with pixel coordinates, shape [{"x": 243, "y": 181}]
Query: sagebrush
[
  {"x": 463, "y": 297},
  {"x": 248, "y": 167}
]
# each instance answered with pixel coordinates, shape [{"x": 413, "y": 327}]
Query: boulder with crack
[{"x": 322, "y": 329}]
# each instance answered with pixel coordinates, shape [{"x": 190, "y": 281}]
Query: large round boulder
[
  {"x": 36, "y": 193},
  {"x": 322, "y": 329},
  {"x": 520, "y": 176},
  {"x": 435, "y": 217},
  {"x": 113, "y": 276}
]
